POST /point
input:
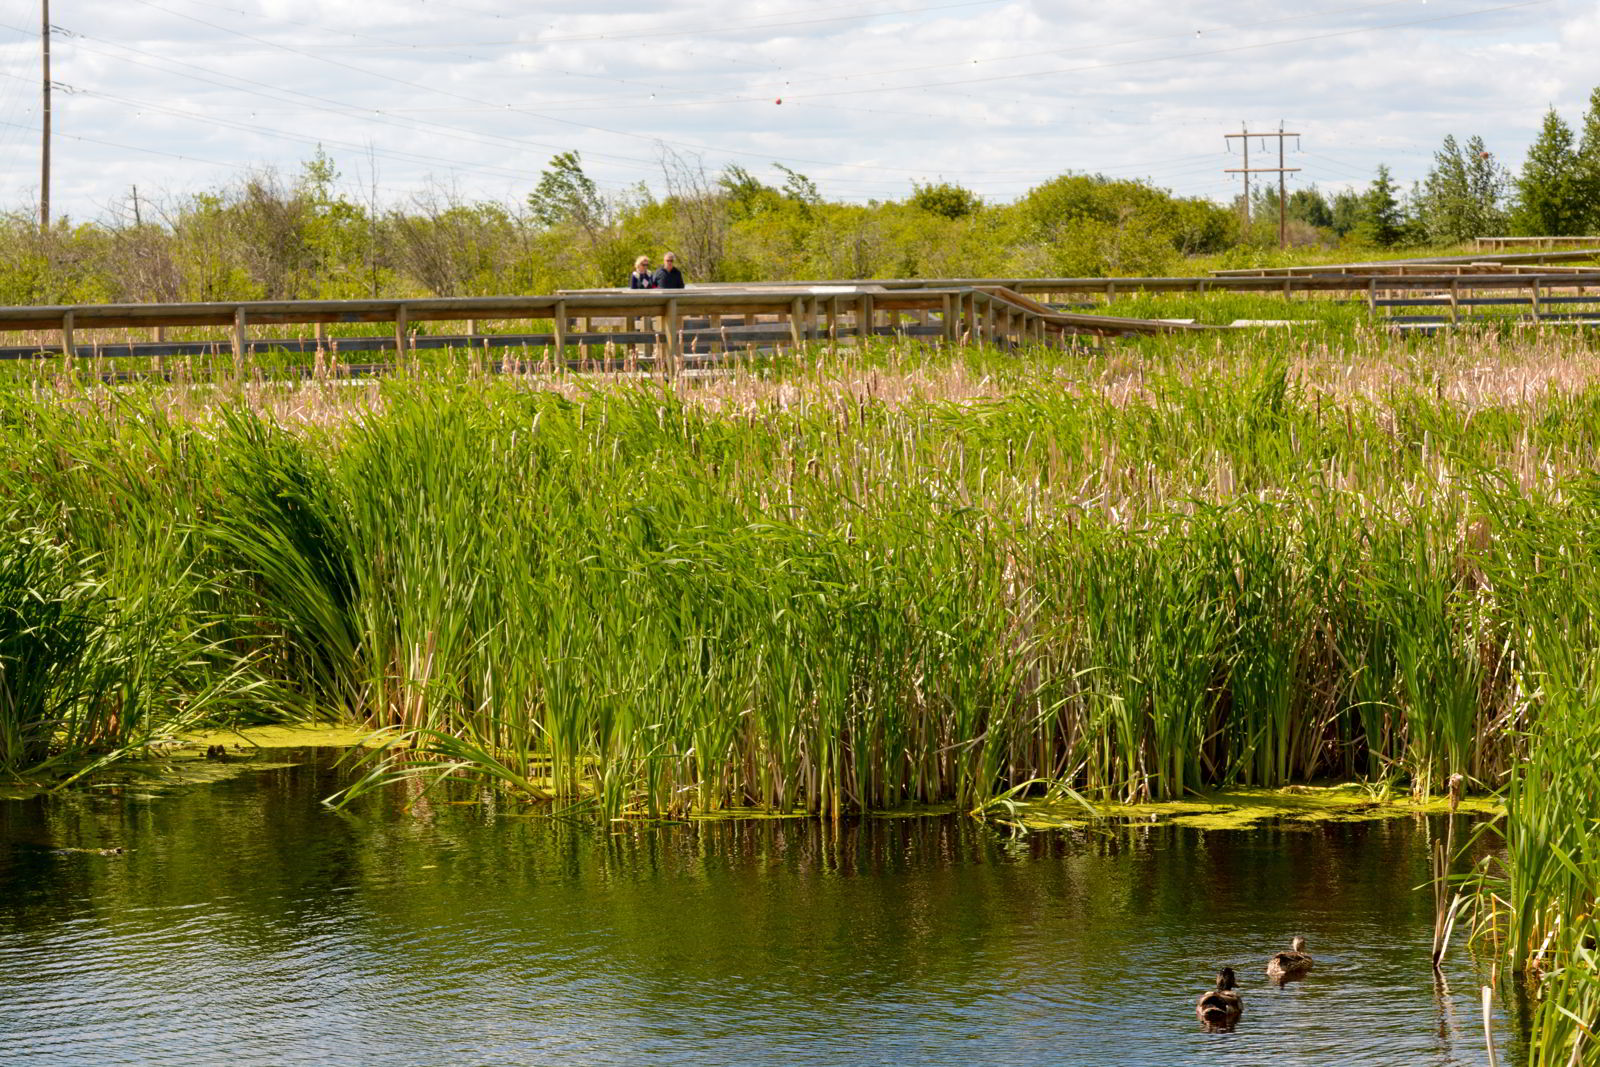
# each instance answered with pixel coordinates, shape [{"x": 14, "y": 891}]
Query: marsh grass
[{"x": 833, "y": 582}]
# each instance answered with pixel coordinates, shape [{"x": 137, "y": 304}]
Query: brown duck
[
  {"x": 1220, "y": 1009},
  {"x": 1287, "y": 966}
]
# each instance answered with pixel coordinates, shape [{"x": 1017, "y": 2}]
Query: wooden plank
[
  {"x": 69, "y": 347},
  {"x": 402, "y": 325},
  {"x": 238, "y": 337}
]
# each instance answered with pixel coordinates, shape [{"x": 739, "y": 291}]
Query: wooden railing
[
  {"x": 1534, "y": 242},
  {"x": 668, "y": 324},
  {"x": 664, "y": 327}
]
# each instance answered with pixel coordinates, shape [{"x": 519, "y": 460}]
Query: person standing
[
  {"x": 668, "y": 276},
  {"x": 641, "y": 278}
]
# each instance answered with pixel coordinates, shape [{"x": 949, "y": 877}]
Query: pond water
[{"x": 247, "y": 924}]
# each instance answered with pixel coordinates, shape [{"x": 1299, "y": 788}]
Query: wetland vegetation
[{"x": 888, "y": 579}]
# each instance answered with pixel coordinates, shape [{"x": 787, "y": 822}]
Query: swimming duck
[
  {"x": 1287, "y": 966},
  {"x": 1220, "y": 1009}
]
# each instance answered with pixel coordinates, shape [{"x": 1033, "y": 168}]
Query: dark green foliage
[
  {"x": 1550, "y": 196},
  {"x": 1310, "y": 207},
  {"x": 1378, "y": 219},
  {"x": 1088, "y": 225},
  {"x": 944, "y": 199},
  {"x": 1587, "y": 165},
  {"x": 1463, "y": 194}
]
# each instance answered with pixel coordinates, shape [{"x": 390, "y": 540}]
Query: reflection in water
[{"x": 248, "y": 924}]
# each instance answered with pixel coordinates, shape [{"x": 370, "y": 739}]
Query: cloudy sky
[{"x": 438, "y": 97}]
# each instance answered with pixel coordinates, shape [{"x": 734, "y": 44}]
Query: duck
[
  {"x": 1287, "y": 966},
  {"x": 1220, "y": 1009}
]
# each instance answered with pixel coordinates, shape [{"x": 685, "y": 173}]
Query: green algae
[
  {"x": 1242, "y": 808},
  {"x": 183, "y": 761},
  {"x": 296, "y": 735}
]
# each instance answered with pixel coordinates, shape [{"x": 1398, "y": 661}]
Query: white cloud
[{"x": 996, "y": 94}]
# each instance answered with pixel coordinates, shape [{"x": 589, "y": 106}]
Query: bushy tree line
[{"x": 272, "y": 237}]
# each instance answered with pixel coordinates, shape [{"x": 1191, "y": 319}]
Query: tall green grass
[{"x": 1176, "y": 569}]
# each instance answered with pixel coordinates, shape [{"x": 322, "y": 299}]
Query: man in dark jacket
[{"x": 668, "y": 276}]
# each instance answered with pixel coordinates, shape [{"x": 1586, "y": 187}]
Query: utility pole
[
  {"x": 1245, "y": 127},
  {"x": 44, "y": 131},
  {"x": 137, "y": 221},
  {"x": 1280, "y": 170}
]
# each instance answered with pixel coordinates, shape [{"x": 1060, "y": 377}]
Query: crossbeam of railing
[{"x": 1515, "y": 278}]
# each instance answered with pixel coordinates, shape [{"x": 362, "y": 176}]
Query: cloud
[{"x": 995, "y": 94}]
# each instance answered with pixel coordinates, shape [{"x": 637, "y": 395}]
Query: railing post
[
  {"x": 560, "y": 323},
  {"x": 401, "y": 325},
  {"x": 238, "y": 337},
  {"x": 868, "y": 314},
  {"x": 796, "y": 309},
  {"x": 69, "y": 348},
  {"x": 674, "y": 335}
]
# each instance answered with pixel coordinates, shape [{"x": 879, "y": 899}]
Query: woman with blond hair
[{"x": 641, "y": 278}]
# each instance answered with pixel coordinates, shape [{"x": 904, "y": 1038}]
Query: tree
[
  {"x": 565, "y": 194},
  {"x": 1377, "y": 217},
  {"x": 1548, "y": 200},
  {"x": 1310, "y": 207},
  {"x": 567, "y": 197},
  {"x": 1461, "y": 197},
  {"x": 747, "y": 195},
  {"x": 1586, "y": 167},
  {"x": 944, "y": 199},
  {"x": 1346, "y": 211},
  {"x": 699, "y": 211},
  {"x": 799, "y": 188}
]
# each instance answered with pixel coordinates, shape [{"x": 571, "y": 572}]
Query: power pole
[
  {"x": 1280, "y": 170},
  {"x": 44, "y": 131}
]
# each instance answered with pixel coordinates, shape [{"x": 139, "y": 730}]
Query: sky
[{"x": 418, "y": 100}]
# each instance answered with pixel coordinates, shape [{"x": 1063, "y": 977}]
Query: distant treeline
[{"x": 272, "y": 237}]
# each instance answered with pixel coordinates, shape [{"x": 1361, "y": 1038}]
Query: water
[{"x": 246, "y": 924}]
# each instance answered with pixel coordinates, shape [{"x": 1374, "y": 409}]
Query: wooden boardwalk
[{"x": 666, "y": 329}]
